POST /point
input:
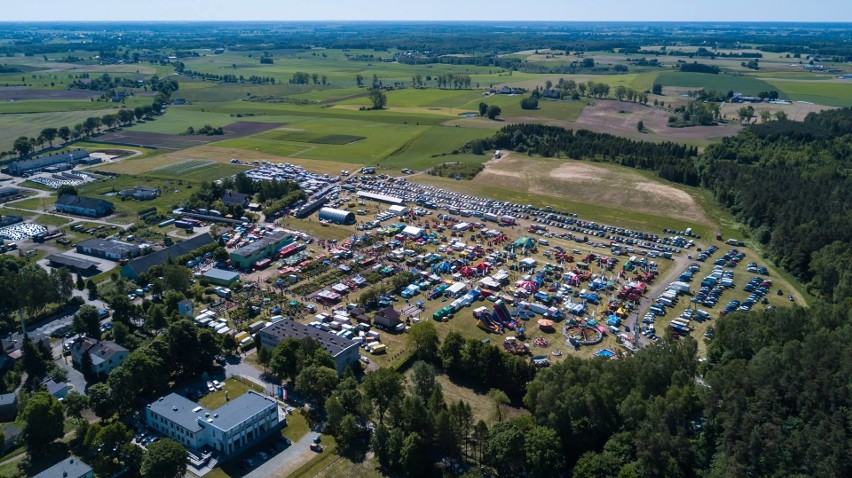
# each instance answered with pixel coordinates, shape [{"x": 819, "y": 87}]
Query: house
[
  {"x": 387, "y": 319},
  {"x": 140, "y": 193},
  {"x": 344, "y": 351},
  {"x": 140, "y": 265},
  {"x": 32, "y": 165},
  {"x": 112, "y": 250},
  {"x": 246, "y": 256},
  {"x": 83, "y": 206},
  {"x": 8, "y": 406},
  {"x": 15, "y": 341},
  {"x": 185, "y": 308},
  {"x": 551, "y": 93},
  {"x": 233, "y": 198},
  {"x": 238, "y": 424},
  {"x": 70, "y": 467},
  {"x": 105, "y": 356},
  {"x": 58, "y": 390}
]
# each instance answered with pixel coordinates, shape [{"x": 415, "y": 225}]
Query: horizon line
[{"x": 470, "y": 21}]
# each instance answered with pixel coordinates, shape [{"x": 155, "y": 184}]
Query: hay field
[{"x": 601, "y": 184}]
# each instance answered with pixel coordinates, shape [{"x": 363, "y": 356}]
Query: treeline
[
  {"x": 29, "y": 288},
  {"x": 696, "y": 67},
  {"x": 790, "y": 183},
  {"x": 253, "y": 79},
  {"x": 772, "y": 402},
  {"x": 700, "y": 52},
  {"x": 302, "y": 78},
  {"x": 102, "y": 83},
  {"x": 456, "y": 170},
  {"x": 669, "y": 160},
  {"x": 274, "y": 195}
]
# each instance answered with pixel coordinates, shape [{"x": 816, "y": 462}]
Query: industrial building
[
  {"x": 343, "y": 350},
  {"x": 140, "y": 265},
  {"x": 79, "y": 265},
  {"x": 336, "y": 216},
  {"x": 246, "y": 256},
  {"x": 32, "y": 165},
  {"x": 112, "y": 250},
  {"x": 229, "y": 429},
  {"x": 83, "y": 206}
]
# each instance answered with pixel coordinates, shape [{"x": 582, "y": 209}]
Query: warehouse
[
  {"x": 380, "y": 198},
  {"x": 344, "y": 351},
  {"x": 221, "y": 277},
  {"x": 113, "y": 250},
  {"x": 337, "y": 216},
  {"x": 246, "y": 256}
]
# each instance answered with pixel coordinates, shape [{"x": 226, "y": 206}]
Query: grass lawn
[
  {"x": 314, "y": 228},
  {"x": 417, "y": 154},
  {"x": 231, "y": 387},
  {"x": 297, "y": 426},
  {"x": 177, "y": 119},
  {"x": 343, "y": 466}
]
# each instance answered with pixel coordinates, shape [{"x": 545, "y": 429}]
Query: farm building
[
  {"x": 83, "y": 206},
  {"x": 221, "y": 277},
  {"x": 79, "y": 265},
  {"x": 337, "y": 216},
  {"x": 380, "y": 198},
  {"x": 140, "y": 265},
  {"x": 140, "y": 193},
  {"x": 246, "y": 256},
  {"x": 113, "y": 250},
  {"x": 233, "y": 198},
  {"x": 24, "y": 166},
  {"x": 343, "y": 350},
  {"x": 70, "y": 467}
]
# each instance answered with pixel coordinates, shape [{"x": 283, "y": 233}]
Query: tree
[
  {"x": 64, "y": 133},
  {"x": 43, "y": 423},
  {"x": 780, "y": 116},
  {"x": 640, "y": 126},
  {"x": 100, "y": 400},
  {"x": 220, "y": 254},
  {"x": 315, "y": 382},
  {"x": 22, "y": 146},
  {"x": 67, "y": 189},
  {"x": 378, "y": 99},
  {"x": 49, "y": 134},
  {"x": 500, "y": 401},
  {"x": 86, "y": 321},
  {"x": 382, "y": 387},
  {"x": 657, "y": 89},
  {"x": 483, "y": 109},
  {"x": 414, "y": 456},
  {"x": 359, "y": 80},
  {"x": 348, "y": 432},
  {"x": 177, "y": 277},
  {"x": 422, "y": 380},
  {"x": 423, "y": 340},
  {"x": 80, "y": 284},
  {"x": 34, "y": 363},
  {"x": 542, "y": 448},
  {"x": 765, "y": 116},
  {"x": 92, "y": 287},
  {"x": 166, "y": 458},
  {"x": 493, "y": 112},
  {"x": 529, "y": 103},
  {"x": 229, "y": 344},
  {"x": 504, "y": 448}
]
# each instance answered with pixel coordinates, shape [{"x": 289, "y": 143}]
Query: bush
[{"x": 466, "y": 171}]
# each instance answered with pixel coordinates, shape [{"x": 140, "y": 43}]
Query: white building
[
  {"x": 105, "y": 356},
  {"x": 229, "y": 429}
]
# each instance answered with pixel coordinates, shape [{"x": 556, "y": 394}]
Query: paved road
[
  {"x": 282, "y": 463},
  {"x": 680, "y": 262}
]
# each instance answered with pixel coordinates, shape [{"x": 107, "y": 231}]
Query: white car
[{"x": 217, "y": 385}]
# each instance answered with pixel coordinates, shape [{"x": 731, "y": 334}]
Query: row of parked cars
[{"x": 271, "y": 448}]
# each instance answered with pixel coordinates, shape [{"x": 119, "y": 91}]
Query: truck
[
  {"x": 679, "y": 287},
  {"x": 490, "y": 217},
  {"x": 507, "y": 220},
  {"x": 223, "y": 292}
]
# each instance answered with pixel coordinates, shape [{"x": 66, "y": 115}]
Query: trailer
[{"x": 490, "y": 217}]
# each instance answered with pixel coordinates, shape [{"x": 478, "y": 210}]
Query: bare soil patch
[{"x": 594, "y": 184}]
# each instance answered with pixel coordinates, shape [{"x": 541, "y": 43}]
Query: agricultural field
[{"x": 30, "y": 124}]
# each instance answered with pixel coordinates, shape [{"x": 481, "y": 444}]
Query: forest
[{"x": 788, "y": 181}]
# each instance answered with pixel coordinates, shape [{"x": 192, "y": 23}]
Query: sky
[{"x": 423, "y": 10}]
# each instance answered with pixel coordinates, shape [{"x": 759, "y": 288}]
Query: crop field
[
  {"x": 419, "y": 153},
  {"x": 720, "y": 83},
  {"x": 134, "y": 137},
  {"x": 309, "y": 137},
  {"x": 835, "y": 93},
  {"x": 182, "y": 168},
  {"x": 25, "y": 93},
  {"x": 177, "y": 119},
  {"x": 31, "y": 124}
]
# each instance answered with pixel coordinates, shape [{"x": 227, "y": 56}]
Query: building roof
[
  {"x": 111, "y": 247},
  {"x": 239, "y": 410},
  {"x": 100, "y": 351},
  {"x": 70, "y": 467},
  {"x": 179, "y": 410},
  {"x": 260, "y": 244},
  {"x": 290, "y": 329},
  {"x": 53, "y": 387},
  {"x": 73, "y": 262},
  {"x": 142, "y": 264},
  {"x": 63, "y": 157},
  {"x": 7, "y": 191},
  {"x": 8, "y": 399},
  {"x": 219, "y": 274},
  {"x": 233, "y": 198},
  {"x": 82, "y": 201}
]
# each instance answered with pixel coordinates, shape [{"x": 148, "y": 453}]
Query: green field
[
  {"x": 721, "y": 83},
  {"x": 418, "y": 154},
  {"x": 52, "y": 106},
  {"x": 309, "y": 137},
  {"x": 31, "y": 124},
  {"x": 823, "y": 93}
]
